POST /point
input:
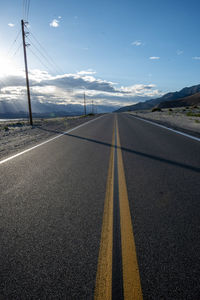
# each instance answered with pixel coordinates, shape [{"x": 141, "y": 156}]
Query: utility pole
[
  {"x": 92, "y": 107},
  {"x": 84, "y": 105},
  {"x": 26, "y": 70}
]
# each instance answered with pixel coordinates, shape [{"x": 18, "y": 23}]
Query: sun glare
[{"x": 7, "y": 66}]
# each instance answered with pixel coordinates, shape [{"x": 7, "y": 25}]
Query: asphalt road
[{"x": 60, "y": 205}]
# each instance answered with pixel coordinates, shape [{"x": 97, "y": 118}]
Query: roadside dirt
[
  {"x": 186, "y": 120},
  {"x": 18, "y": 135}
]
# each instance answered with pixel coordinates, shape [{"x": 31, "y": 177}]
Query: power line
[
  {"x": 46, "y": 67},
  {"x": 44, "y": 57},
  {"x": 17, "y": 49},
  {"x": 24, "y": 8},
  {"x": 84, "y": 104},
  {"x": 28, "y": 7},
  {"x": 13, "y": 43},
  {"x": 47, "y": 54}
]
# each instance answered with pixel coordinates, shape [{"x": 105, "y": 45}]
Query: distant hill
[
  {"x": 185, "y": 92},
  {"x": 19, "y": 109},
  {"x": 187, "y": 101}
]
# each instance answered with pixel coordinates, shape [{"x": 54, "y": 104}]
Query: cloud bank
[{"x": 69, "y": 89}]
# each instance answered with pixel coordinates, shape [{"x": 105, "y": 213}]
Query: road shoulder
[{"x": 18, "y": 136}]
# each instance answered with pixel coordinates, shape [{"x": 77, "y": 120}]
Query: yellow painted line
[
  {"x": 131, "y": 277},
  {"x": 103, "y": 289}
]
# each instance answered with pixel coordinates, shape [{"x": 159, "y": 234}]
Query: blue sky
[{"x": 133, "y": 46}]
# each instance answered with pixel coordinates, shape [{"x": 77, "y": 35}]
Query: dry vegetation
[{"x": 183, "y": 118}]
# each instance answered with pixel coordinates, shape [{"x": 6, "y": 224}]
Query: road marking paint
[
  {"x": 117, "y": 269},
  {"x": 131, "y": 277},
  {"x": 170, "y": 129},
  {"x": 47, "y": 141},
  {"x": 103, "y": 289}
]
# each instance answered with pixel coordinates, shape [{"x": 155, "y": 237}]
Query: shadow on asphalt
[{"x": 150, "y": 156}]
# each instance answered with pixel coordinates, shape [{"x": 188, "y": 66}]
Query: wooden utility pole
[
  {"x": 26, "y": 71},
  {"x": 92, "y": 107},
  {"x": 84, "y": 105}
]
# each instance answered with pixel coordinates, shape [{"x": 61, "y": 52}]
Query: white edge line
[
  {"x": 47, "y": 141},
  {"x": 162, "y": 126}
]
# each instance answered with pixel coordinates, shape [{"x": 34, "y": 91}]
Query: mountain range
[
  {"x": 173, "y": 96},
  {"x": 187, "y": 101},
  {"x": 19, "y": 109}
]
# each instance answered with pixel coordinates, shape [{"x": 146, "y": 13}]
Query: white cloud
[
  {"x": 196, "y": 57},
  {"x": 138, "y": 87},
  {"x": 154, "y": 57},
  {"x": 38, "y": 75},
  {"x": 11, "y": 25},
  {"x": 59, "y": 17},
  {"x": 137, "y": 43},
  {"x": 68, "y": 88},
  {"x": 143, "y": 90},
  {"x": 179, "y": 52},
  {"x": 54, "y": 23},
  {"x": 87, "y": 72}
]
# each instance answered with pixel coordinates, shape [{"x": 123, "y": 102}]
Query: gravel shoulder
[
  {"x": 17, "y": 135},
  {"x": 185, "y": 120}
]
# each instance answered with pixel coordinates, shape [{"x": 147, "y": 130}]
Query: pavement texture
[{"x": 52, "y": 204}]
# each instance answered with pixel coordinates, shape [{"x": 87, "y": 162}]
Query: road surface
[{"x": 109, "y": 210}]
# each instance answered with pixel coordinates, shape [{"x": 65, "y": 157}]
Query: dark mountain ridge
[
  {"x": 185, "y": 92},
  {"x": 187, "y": 101}
]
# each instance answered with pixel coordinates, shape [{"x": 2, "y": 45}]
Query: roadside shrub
[
  {"x": 170, "y": 109},
  {"x": 156, "y": 109},
  {"x": 6, "y": 128},
  {"x": 19, "y": 124},
  {"x": 191, "y": 114}
]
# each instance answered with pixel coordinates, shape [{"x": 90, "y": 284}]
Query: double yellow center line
[{"x": 130, "y": 272}]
